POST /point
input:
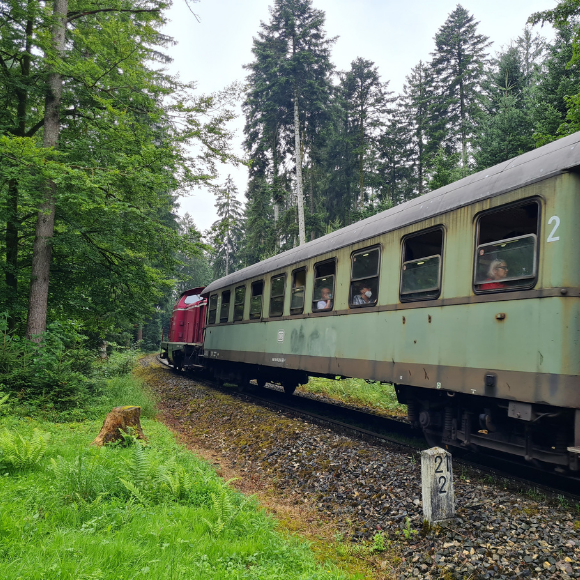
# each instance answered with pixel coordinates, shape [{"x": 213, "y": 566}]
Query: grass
[
  {"x": 382, "y": 396},
  {"x": 79, "y": 512}
]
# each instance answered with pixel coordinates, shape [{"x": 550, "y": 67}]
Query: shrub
[
  {"x": 21, "y": 452},
  {"x": 52, "y": 373}
]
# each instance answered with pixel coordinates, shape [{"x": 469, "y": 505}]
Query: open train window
[
  {"x": 239, "y": 300},
  {"x": 225, "y": 308},
  {"x": 212, "y": 310},
  {"x": 298, "y": 288},
  {"x": 277, "y": 284},
  {"x": 506, "y": 249},
  {"x": 364, "y": 278},
  {"x": 323, "y": 295},
  {"x": 256, "y": 300},
  {"x": 421, "y": 269}
]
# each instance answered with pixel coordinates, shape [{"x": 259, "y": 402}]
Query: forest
[{"x": 98, "y": 142}]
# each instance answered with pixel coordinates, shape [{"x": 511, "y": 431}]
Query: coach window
[
  {"x": 277, "y": 295},
  {"x": 364, "y": 278},
  {"x": 256, "y": 301},
  {"x": 225, "y": 309},
  {"x": 211, "y": 313},
  {"x": 421, "y": 270},
  {"x": 323, "y": 296},
  {"x": 239, "y": 300},
  {"x": 298, "y": 287},
  {"x": 506, "y": 254}
]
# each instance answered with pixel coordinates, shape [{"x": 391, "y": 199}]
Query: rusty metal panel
[{"x": 534, "y": 166}]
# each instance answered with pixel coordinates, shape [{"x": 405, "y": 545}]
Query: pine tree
[
  {"x": 366, "y": 102},
  {"x": 415, "y": 102},
  {"x": 396, "y": 156},
  {"x": 557, "y": 95},
  {"x": 259, "y": 228},
  {"x": 226, "y": 233},
  {"x": 507, "y": 129},
  {"x": 194, "y": 268},
  {"x": 289, "y": 91},
  {"x": 459, "y": 66}
]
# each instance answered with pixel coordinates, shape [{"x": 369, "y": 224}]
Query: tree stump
[{"x": 117, "y": 420}]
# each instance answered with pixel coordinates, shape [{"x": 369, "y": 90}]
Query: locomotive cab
[{"x": 184, "y": 344}]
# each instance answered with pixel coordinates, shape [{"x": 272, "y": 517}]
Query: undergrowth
[
  {"x": 152, "y": 511},
  {"x": 373, "y": 394}
]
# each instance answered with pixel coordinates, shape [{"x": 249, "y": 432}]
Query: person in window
[
  {"x": 325, "y": 301},
  {"x": 364, "y": 297},
  {"x": 497, "y": 272}
]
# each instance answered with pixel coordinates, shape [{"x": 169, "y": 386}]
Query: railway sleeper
[{"x": 542, "y": 434}]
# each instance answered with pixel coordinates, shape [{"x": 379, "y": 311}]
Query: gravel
[{"x": 370, "y": 490}]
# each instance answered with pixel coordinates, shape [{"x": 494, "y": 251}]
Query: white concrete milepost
[{"x": 437, "y": 483}]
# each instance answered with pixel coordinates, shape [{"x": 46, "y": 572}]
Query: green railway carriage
[{"x": 467, "y": 299}]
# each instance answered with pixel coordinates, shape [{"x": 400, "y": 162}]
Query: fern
[
  {"x": 3, "y": 406},
  {"x": 175, "y": 480},
  {"x": 21, "y": 453},
  {"x": 138, "y": 469},
  {"x": 140, "y": 465},
  {"x": 224, "y": 510},
  {"x": 134, "y": 491}
]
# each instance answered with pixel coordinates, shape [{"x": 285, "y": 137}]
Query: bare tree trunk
[
  {"x": 42, "y": 250},
  {"x": 312, "y": 232},
  {"x": 299, "y": 195},
  {"x": 361, "y": 161}
]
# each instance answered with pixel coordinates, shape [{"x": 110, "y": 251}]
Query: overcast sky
[{"x": 394, "y": 35}]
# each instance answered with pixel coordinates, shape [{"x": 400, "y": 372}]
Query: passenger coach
[{"x": 467, "y": 299}]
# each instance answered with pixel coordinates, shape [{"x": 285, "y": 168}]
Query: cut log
[{"x": 117, "y": 420}]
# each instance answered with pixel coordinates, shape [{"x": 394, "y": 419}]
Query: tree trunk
[
  {"x": 312, "y": 232},
  {"x": 120, "y": 419},
  {"x": 42, "y": 250},
  {"x": 298, "y": 152},
  {"x": 361, "y": 159}
]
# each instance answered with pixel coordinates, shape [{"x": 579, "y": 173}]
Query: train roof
[{"x": 539, "y": 164}]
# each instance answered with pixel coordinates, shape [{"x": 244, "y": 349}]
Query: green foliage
[
  {"x": 223, "y": 511},
  {"x": 21, "y": 452},
  {"x": 51, "y": 373},
  {"x": 122, "y": 390},
  {"x": 374, "y": 394},
  {"x": 380, "y": 542},
  {"x": 119, "y": 363},
  {"x": 175, "y": 480},
  {"x": 77, "y": 505},
  {"x": 3, "y": 400},
  {"x": 225, "y": 235},
  {"x": 128, "y": 133}
]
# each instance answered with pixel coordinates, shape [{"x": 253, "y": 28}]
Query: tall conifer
[
  {"x": 289, "y": 89},
  {"x": 459, "y": 66},
  {"x": 226, "y": 233}
]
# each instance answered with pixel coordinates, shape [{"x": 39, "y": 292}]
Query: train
[{"x": 466, "y": 299}]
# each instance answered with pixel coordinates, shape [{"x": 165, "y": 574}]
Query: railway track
[{"x": 380, "y": 429}]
